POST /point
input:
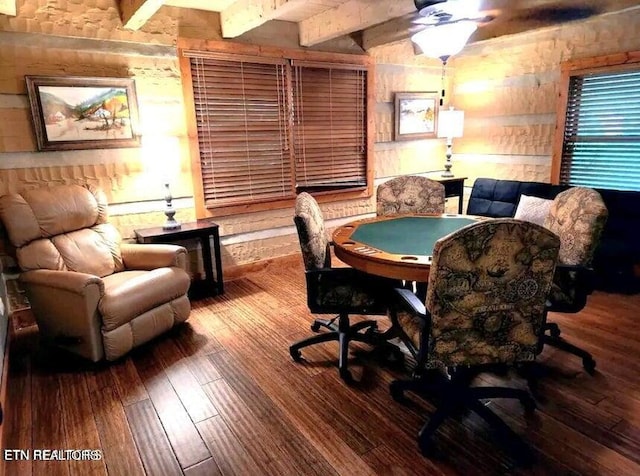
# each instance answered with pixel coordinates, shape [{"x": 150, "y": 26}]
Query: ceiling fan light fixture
[{"x": 444, "y": 40}]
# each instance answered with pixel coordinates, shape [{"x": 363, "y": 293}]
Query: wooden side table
[
  {"x": 201, "y": 230},
  {"x": 453, "y": 187}
]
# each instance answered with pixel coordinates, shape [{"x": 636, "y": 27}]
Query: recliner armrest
[
  {"x": 64, "y": 280},
  {"x": 153, "y": 256}
]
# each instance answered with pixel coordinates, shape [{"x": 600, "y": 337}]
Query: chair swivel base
[
  {"x": 344, "y": 334},
  {"x": 554, "y": 340},
  {"x": 453, "y": 396}
]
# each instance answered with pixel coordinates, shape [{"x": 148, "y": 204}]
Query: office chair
[
  {"x": 485, "y": 308},
  {"x": 331, "y": 290},
  {"x": 577, "y": 216},
  {"x": 410, "y": 194}
]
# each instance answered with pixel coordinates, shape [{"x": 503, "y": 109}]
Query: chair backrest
[
  {"x": 311, "y": 233},
  {"x": 578, "y": 216},
  {"x": 409, "y": 194},
  {"x": 62, "y": 228},
  {"x": 487, "y": 289}
]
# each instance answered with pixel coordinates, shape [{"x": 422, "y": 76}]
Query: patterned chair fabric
[
  {"x": 311, "y": 232},
  {"x": 410, "y": 194},
  {"x": 339, "y": 290},
  {"x": 333, "y": 289},
  {"x": 578, "y": 216},
  {"x": 487, "y": 289}
]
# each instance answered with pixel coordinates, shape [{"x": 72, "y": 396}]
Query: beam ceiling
[{"x": 379, "y": 22}]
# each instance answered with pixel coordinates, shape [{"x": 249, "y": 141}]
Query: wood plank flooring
[{"x": 221, "y": 396}]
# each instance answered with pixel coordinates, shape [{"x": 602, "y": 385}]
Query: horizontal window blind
[
  {"x": 243, "y": 130},
  {"x": 330, "y": 126},
  {"x": 601, "y": 145}
]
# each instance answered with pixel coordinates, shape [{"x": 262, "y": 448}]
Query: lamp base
[
  {"x": 171, "y": 224},
  {"x": 447, "y": 173}
]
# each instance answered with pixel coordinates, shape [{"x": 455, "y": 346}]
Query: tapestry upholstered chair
[
  {"x": 337, "y": 290},
  {"x": 91, "y": 294},
  {"x": 578, "y": 216},
  {"x": 409, "y": 194},
  {"x": 485, "y": 308}
]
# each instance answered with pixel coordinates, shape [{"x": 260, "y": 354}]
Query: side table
[
  {"x": 453, "y": 187},
  {"x": 201, "y": 230}
]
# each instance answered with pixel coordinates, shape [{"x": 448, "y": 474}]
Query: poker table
[{"x": 395, "y": 246}]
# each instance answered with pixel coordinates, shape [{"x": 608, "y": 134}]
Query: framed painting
[
  {"x": 416, "y": 115},
  {"x": 83, "y": 113}
]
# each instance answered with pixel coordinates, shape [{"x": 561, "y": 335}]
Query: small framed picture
[
  {"x": 416, "y": 115},
  {"x": 83, "y": 113}
]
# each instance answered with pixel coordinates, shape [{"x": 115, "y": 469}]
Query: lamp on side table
[{"x": 450, "y": 125}]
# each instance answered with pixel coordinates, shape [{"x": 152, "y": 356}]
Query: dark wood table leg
[
  {"x": 208, "y": 264},
  {"x": 218, "y": 258}
]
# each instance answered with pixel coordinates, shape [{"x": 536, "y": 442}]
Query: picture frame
[
  {"x": 72, "y": 112},
  {"x": 416, "y": 115}
]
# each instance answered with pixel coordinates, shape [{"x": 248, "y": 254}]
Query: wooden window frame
[
  {"x": 187, "y": 44},
  {"x": 579, "y": 67}
]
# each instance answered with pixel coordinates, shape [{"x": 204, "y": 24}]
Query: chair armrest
[
  {"x": 407, "y": 301},
  {"x": 65, "y": 305},
  {"x": 153, "y": 256},
  {"x": 332, "y": 290},
  {"x": 584, "y": 277},
  {"x": 64, "y": 280}
]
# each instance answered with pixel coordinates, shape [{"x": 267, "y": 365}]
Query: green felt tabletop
[{"x": 408, "y": 235}]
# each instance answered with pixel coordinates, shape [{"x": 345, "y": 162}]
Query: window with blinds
[
  {"x": 243, "y": 128},
  {"x": 268, "y": 128},
  {"x": 329, "y": 116},
  {"x": 601, "y": 146}
]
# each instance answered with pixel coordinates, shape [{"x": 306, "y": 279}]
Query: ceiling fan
[{"x": 499, "y": 17}]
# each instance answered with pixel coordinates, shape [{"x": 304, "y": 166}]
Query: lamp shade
[
  {"x": 161, "y": 156},
  {"x": 450, "y": 123},
  {"x": 442, "y": 41}
]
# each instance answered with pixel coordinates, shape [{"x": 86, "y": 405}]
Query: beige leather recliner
[{"x": 90, "y": 293}]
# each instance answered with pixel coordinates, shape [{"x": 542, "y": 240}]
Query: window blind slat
[
  {"x": 330, "y": 125},
  {"x": 241, "y": 115},
  {"x": 602, "y": 131}
]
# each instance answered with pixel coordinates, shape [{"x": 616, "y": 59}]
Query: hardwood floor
[{"x": 220, "y": 395}]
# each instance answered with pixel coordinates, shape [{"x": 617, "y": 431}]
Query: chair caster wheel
[
  {"x": 397, "y": 393},
  {"x": 315, "y": 327},
  {"x": 589, "y": 365},
  {"x": 346, "y": 377},
  {"x": 296, "y": 355},
  {"x": 529, "y": 405},
  {"x": 426, "y": 446}
]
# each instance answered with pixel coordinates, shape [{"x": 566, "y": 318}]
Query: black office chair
[
  {"x": 485, "y": 308},
  {"x": 577, "y": 216},
  {"x": 330, "y": 290}
]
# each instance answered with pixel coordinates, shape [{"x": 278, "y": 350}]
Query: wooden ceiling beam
[
  {"x": 245, "y": 15},
  {"x": 135, "y": 13},
  {"x": 8, "y": 7},
  {"x": 351, "y": 16}
]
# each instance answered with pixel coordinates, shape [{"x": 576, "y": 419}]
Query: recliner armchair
[{"x": 91, "y": 294}]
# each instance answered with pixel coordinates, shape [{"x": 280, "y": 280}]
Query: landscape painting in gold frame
[
  {"x": 416, "y": 115},
  {"x": 83, "y": 113}
]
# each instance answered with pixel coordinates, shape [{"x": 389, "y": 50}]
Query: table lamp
[
  {"x": 162, "y": 159},
  {"x": 450, "y": 125}
]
